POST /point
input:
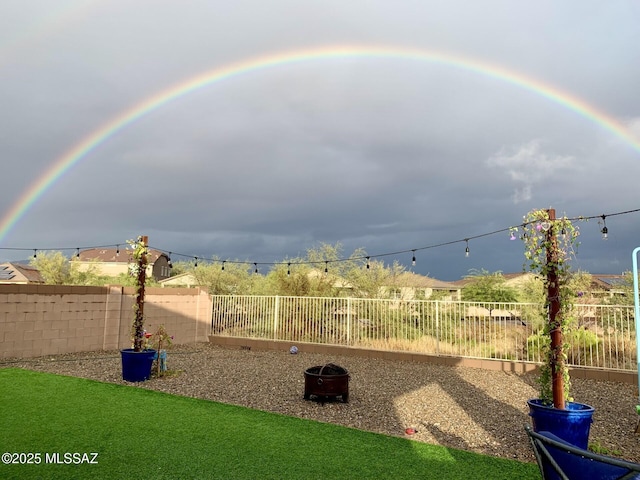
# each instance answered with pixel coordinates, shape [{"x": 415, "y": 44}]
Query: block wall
[{"x": 38, "y": 320}]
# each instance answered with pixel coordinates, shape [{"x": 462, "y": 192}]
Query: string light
[
  {"x": 117, "y": 250},
  {"x": 223, "y": 262},
  {"x": 605, "y": 230},
  {"x": 255, "y": 265},
  {"x": 288, "y": 268},
  {"x": 77, "y": 253},
  {"x": 413, "y": 258},
  {"x": 170, "y": 264},
  {"x": 326, "y": 267}
]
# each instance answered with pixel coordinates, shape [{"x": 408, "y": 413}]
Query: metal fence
[{"x": 599, "y": 336}]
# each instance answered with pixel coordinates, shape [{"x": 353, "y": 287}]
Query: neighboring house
[
  {"x": 411, "y": 286},
  {"x": 606, "y": 285},
  {"x": 19, "y": 273},
  {"x": 513, "y": 280},
  {"x": 602, "y": 285},
  {"x": 182, "y": 280},
  {"x": 519, "y": 279},
  {"x": 112, "y": 262}
]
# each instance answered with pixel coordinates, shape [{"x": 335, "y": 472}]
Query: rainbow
[{"x": 79, "y": 151}]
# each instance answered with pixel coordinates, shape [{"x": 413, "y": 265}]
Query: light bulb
[
  {"x": 605, "y": 230},
  {"x": 413, "y": 259}
]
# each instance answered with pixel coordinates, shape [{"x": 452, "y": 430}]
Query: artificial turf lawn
[{"x": 139, "y": 433}]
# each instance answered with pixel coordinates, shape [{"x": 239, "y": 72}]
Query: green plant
[
  {"x": 484, "y": 286},
  {"x": 549, "y": 245},
  {"x": 596, "y": 447},
  {"x": 138, "y": 269},
  {"x": 159, "y": 340}
]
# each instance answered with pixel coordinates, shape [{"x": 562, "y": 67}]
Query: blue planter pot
[
  {"x": 136, "y": 366},
  {"x": 572, "y": 424}
]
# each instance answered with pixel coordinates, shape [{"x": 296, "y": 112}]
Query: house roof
[
  {"x": 19, "y": 273},
  {"x": 608, "y": 281},
  {"x": 186, "y": 278},
  {"x": 510, "y": 278},
  {"x": 410, "y": 279},
  {"x": 115, "y": 255}
]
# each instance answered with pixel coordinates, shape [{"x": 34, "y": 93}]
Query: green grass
[{"x": 141, "y": 434}]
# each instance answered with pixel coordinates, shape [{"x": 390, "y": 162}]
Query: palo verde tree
[
  {"x": 57, "y": 269},
  {"x": 369, "y": 279},
  {"x": 223, "y": 278},
  {"x": 291, "y": 278},
  {"x": 484, "y": 286},
  {"x": 53, "y": 266},
  {"x": 321, "y": 273}
]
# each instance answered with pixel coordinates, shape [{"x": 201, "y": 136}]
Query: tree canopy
[
  {"x": 484, "y": 286},
  {"x": 57, "y": 269}
]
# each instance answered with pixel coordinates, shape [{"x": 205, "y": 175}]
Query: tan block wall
[{"x": 38, "y": 320}]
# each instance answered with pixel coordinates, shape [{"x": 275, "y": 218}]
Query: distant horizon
[{"x": 407, "y": 269}]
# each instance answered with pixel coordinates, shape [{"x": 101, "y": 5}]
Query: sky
[{"x": 255, "y": 130}]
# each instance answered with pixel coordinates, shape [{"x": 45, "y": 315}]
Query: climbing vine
[
  {"x": 549, "y": 245},
  {"x": 138, "y": 269}
]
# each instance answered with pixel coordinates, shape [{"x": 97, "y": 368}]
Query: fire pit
[{"x": 326, "y": 381}]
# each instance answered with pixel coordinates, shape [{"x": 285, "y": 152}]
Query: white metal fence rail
[{"x": 600, "y": 336}]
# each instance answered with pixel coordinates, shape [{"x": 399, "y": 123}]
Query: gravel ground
[{"x": 467, "y": 408}]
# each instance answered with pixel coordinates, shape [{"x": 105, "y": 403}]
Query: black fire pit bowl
[{"x": 326, "y": 382}]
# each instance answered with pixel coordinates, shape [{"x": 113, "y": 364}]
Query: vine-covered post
[
  {"x": 140, "y": 255},
  {"x": 555, "y": 313},
  {"x": 549, "y": 243}
]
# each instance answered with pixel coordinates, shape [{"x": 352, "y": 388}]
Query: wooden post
[
  {"x": 139, "y": 321},
  {"x": 555, "y": 314}
]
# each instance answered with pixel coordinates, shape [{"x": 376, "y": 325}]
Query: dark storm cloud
[{"x": 383, "y": 153}]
